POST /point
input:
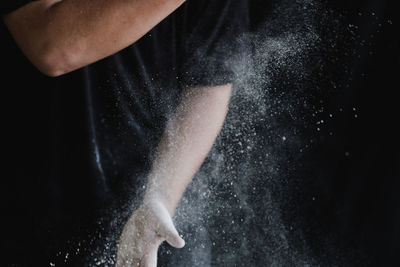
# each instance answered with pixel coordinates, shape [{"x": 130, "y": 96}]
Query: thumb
[{"x": 169, "y": 232}]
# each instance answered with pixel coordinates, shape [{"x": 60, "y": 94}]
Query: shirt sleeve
[
  {"x": 11, "y": 5},
  {"x": 213, "y": 37}
]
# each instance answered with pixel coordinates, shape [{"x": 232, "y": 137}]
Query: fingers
[
  {"x": 138, "y": 251},
  {"x": 128, "y": 263},
  {"x": 145, "y": 231},
  {"x": 168, "y": 231},
  {"x": 150, "y": 259},
  {"x": 165, "y": 227},
  {"x": 175, "y": 240}
]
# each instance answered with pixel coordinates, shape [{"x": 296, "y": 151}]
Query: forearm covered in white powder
[{"x": 189, "y": 135}]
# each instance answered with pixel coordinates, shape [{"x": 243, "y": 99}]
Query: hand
[{"x": 145, "y": 230}]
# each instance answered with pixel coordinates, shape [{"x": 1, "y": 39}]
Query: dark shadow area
[{"x": 344, "y": 192}]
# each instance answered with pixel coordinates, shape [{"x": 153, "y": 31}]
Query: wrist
[{"x": 154, "y": 198}]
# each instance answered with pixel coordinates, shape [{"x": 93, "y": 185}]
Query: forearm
[
  {"x": 75, "y": 33},
  {"x": 188, "y": 138}
]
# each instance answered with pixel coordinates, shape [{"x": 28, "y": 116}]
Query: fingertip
[
  {"x": 176, "y": 241},
  {"x": 179, "y": 242},
  {"x": 181, "y": 245}
]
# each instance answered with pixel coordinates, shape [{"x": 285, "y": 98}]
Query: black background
[{"x": 354, "y": 174}]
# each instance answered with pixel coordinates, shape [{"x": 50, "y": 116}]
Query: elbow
[
  {"x": 53, "y": 63},
  {"x": 40, "y": 41},
  {"x": 51, "y": 70}
]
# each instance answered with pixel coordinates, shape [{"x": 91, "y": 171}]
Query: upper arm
[
  {"x": 63, "y": 36},
  {"x": 26, "y": 26}
]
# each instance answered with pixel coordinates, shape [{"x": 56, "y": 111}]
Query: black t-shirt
[{"x": 75, "y": 143}]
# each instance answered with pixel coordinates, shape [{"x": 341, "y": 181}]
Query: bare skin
[
  {"x": 62, "y": 36},
  {"x": 186, "y": 142},
  {"x": 144, "y": 232}
]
